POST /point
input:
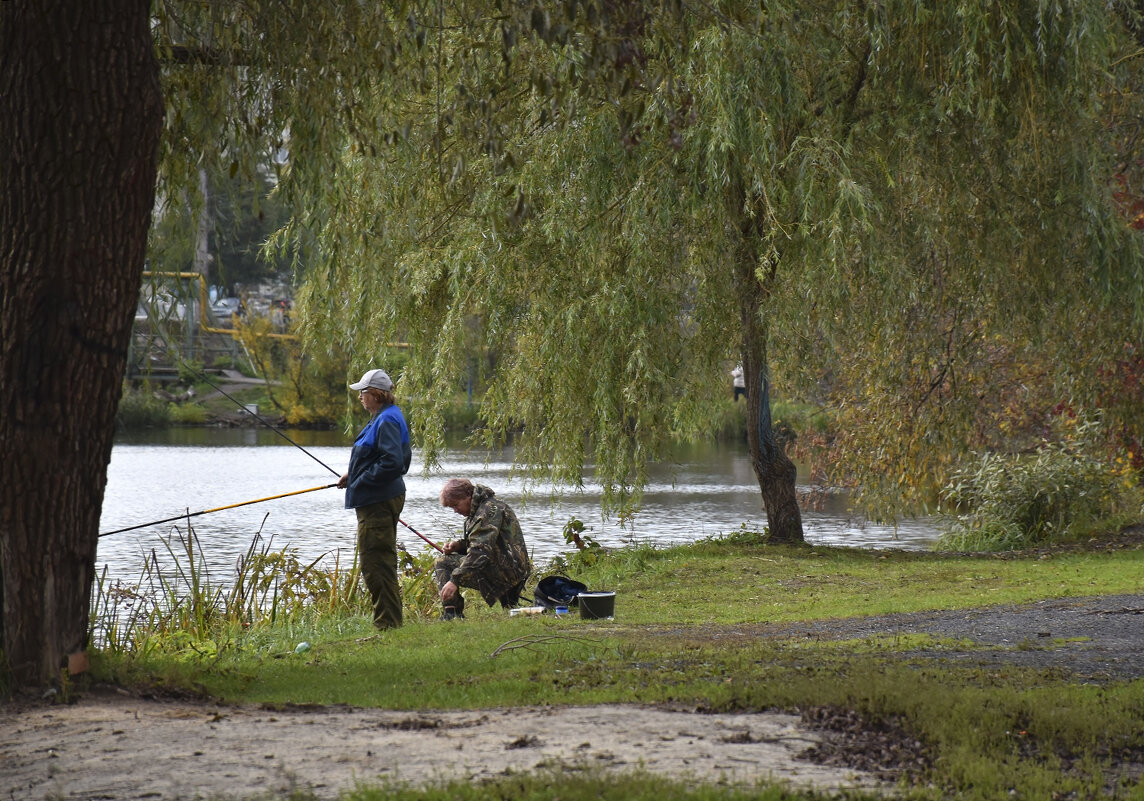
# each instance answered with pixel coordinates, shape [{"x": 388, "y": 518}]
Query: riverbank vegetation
[
  {"x": 1064, "y": 489},
  {"x": 149, "y": 405},
  {"x": 682, "y": 613},
  {"x": 1078, "y": 478}
]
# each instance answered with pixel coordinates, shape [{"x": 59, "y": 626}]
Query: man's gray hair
[{"x": 456, "y": 490}]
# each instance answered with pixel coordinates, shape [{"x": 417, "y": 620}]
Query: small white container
[{"x": 526, "y": 610}]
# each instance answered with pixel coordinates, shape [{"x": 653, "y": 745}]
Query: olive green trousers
[{"x": 377, "y": 553}]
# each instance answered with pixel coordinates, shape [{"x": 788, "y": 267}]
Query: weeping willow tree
[
  {"x": 872, "y": 203},
  {"x": 294, "y": 87}
]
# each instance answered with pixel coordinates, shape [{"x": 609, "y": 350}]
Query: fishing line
[
  {"x": 277, "y": 431},
  {"x": 216, "y": 509},
  {"x": 260, "y": 418}
]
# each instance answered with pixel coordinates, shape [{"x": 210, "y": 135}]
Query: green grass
[
  {"x": 139, "y": 409},
  {"x": 676, "y": 590},
  {"x": 717, "y": 582},
  {"x": 678, "y": 638}
]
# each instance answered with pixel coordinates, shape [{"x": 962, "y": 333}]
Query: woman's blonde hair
[{"x": 386, "y": 397}]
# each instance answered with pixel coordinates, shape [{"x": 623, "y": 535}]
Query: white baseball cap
[{"x": 377, "y": 379}]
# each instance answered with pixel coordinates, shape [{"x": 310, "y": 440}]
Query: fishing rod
[
  {"x": 282, "y": 434},
  {"x": 422, "y": 536},
  {"x": 217, "y": 509}
]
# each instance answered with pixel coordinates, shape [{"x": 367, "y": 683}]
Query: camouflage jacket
[{"x": 496, "y": 561}]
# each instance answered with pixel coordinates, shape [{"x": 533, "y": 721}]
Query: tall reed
[{"x": 179, "y": 605}]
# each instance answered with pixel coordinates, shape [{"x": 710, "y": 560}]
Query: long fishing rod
[
  {"x": 280, "y": 433},
  {"x": 216, "y": 509}
]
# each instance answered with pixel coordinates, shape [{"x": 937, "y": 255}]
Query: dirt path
[
  {"x": 120, "y": 747},
  {"x": 115, "y": 746},
  {"x": 1096, "y": 639}
]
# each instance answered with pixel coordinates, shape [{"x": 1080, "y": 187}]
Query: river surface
[{"x": 706, "y": 490}]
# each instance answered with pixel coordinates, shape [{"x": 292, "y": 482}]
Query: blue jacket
[{"x": 380, "y": 457}]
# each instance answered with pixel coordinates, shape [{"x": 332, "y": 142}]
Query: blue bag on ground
[{"x": 553, "y": 591}]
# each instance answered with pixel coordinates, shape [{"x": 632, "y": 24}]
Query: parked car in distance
[{"x": 224, "y": 309}]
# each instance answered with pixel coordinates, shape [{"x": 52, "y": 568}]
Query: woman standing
[{"x": 375, "y": 489}]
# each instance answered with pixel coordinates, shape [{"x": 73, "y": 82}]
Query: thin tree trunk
[
  {"x": 80, "y": 116},
  {"x": 775, "y": 472},
  {"x": 202, "y": 259}
]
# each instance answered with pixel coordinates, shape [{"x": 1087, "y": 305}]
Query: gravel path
[{"x": 1097, "y": 638}]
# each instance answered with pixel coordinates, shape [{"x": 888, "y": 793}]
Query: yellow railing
[{"x": 204, "y": 323}]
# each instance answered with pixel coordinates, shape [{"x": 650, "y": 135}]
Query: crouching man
[{"x": 492, "y": 558}]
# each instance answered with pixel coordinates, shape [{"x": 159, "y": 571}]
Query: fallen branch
[{"x": 537, "y": 639}]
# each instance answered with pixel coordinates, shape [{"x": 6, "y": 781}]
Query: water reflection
[{"x": 706, "y": 490}]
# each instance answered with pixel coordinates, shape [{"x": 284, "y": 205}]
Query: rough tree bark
[{"x": 80, "y": 119}]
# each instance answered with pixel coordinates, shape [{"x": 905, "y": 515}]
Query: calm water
[{"x": 706, "y": 491}]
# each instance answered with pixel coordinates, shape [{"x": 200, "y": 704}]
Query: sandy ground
[{"x": 121, "y": 747}]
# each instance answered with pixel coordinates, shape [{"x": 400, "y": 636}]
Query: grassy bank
[{"x": 677, "y": 639}]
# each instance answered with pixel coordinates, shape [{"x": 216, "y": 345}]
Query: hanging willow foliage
[{"x": 901, "y": 209}]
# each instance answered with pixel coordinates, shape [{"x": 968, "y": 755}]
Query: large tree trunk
[
  {"x": 80, "y": 117},
  {"x": 774, "y": 470}
]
